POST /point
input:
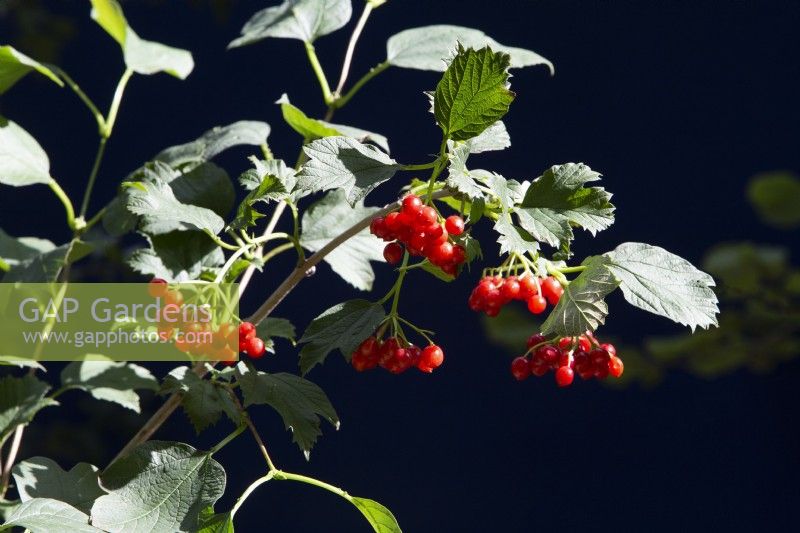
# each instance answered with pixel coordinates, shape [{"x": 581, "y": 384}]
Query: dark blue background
[{"x": 677, "y": 104}]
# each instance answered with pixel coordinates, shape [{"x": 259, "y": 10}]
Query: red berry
[
  {"x": 520, "y": 368},
  {"x": 510, "y": 289},
  {"x": 459, "y": 254},
  {"x": 533, "y": 340},
  {"x": 454, "y": 225},
  {"x": 536, "y": 304},
  {"x": 254, "y": 347},
  {"x": 547, "y": 353},
  {"x": 584, "y": 343},
  {"x": 432, "y": 357},
  {"x": 426, "y": 216},
  {"x": 157, "y": 287},
  {"x": 528, "y": 287},
  {"x": 615, "y": 366},
  {"x": 393, "y": 253},
  {"x": 412, "y": 203},
  {"x": 565, "y": 343},
  {"x": 564, "y": 376},
  {"x": 599, "y": 357},
  {"x": 552, "y": 290},
  {"x": 392, "y": 221},
  {"x": 246, "y": 330},
  {"x": 609, "y": 348},
  {"x": 538, "y": 367},
  {"x": 442, "y": 254},
  {"x": 378, "y": 227}
]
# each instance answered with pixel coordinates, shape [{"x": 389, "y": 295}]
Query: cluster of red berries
[
  {"x": 417, "y": 227},
  {"x": 493, "y": 292},
  {"x": 567, "y": 357},
  {"x": 396, "y": 356},
  {"x": 198, "y": 337}
]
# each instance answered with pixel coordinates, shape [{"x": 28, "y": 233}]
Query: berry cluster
[
  {"x": 567, "y": 357},
  {"x": 493, "y": 292},
  {"x": 199, "y": 338},
  {"x": 417, "y": 226},
  {"x": 396, "y": 356}
]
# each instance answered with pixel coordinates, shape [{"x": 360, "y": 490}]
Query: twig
[
  {"x": 13, "y": 450},
  {"x": 351, "y": 47}
]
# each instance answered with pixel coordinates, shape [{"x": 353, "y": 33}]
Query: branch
[
  {"x": 300, "y": 272},
  {"x": 351, "y": 46}
]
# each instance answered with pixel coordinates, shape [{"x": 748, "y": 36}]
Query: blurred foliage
[{"x": 759, "y": 292}]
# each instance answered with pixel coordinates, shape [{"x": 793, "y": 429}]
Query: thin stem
[
  {"x": 56, "y": 188},
  {"x": 266, "y": 152},
  {"x": 229, "y": 263},
  {"x": 249, "y": 490},
  {"x": 277, "y": 250},
  {"x": 222, "y": 244},
  {"x": 98, "y": 158},
  {"x": 281, "y": 475},
  {"x": 569, "y": 270},
  {"x": 273, "y": 221},
  {"x": 351, "y": 46},
  {"x": 271, "y": 237},
  {"x": 235, "y": 433},
  {"x": 96, "y": 218},
  {"x": 423, "y": 166},
  {"x": 111, "y": 118},
  {"x": 398, "y": 284},
  {"x": 10, "y": 458},
  {"x": 315, "y": 65},
  {"x": 246, "y": 417},
  {"x": 98, "y": 116},
  {"x": 437, "y": 169},
  {"x": 374, "y": 71},
  {"x": 299, "y": 273}
]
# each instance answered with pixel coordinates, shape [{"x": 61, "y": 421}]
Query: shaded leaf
[
  {"x": 276, "y": 327},
  {"x": 160, "y": 486},
  {"x": 110, "y": 381},
  {"x": 45, "y": 515},
  {"x": 774, "y": 196},
  {"x": 203, "y": 401},
  {"x": 46, "y": 266},
  {"x": 177, "y": 256},
  {"x": 327, "y": 219},
  {"x": 14, "y": 65},
  {"x": 161, "y": 212},
  {"x": 215, "y": 141},
  {"x": 40, "y": 477},
  {"x": 300, "y": 402},
  {"x": 513, "y": 239},
  {"x": 20, "y": 400}
]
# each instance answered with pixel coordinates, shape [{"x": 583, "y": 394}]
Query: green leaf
[
  {"x": 177, "y": 256},
  {"x": 437, "y": 272},
  {"x": 141, "y": 56},
  {"x": 276, "y": 327},
  {"x": 162, "y": 212},
  {"x": 215, "y": 141},
  {"x": 428, "y": 48},
  {"x": 363, "y": 136},
  {"x": 20, "y": 400},
  {"x": 110, "y": 381},
  {"x": 558, "y": 200},
  {"x": 45, "y": 267},
  {"x": 380, "y": 518},
  {"x": 203, "y": 401},
  {"x": 22, "y": 160},
  {"x": 6, "y": 508},
  {"x": 216, "y": 523},
  {"x": 513, "y": 239},
  {"x": 269, "y": 181},
  {"x": 309, "y": 128},
  {"x": 473, "y": 94},
  {"x": 493, "y": 138},
  {"x": 40, "y": 477},
  {"x": 658, "y": 281},
  {"x": 305, "y": 20},
  {"x": 45, "y": 515},
  {"x": 582, "y": 307},
  {"x": 300, "y": 403},
  {"x": 341, "y": 327},
  {"x": 327, "y": 219},
  {"x": 774, "y": 196},
  {"x": 160, "y": 486},
  {"x": 11, "y": 360},
  {"x": 14, "y": 65},
  {"x": 342, "y": 162},
  {"x": 458, "y": 176}
]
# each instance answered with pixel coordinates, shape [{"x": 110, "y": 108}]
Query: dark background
[{"x": 677, "y": 104}]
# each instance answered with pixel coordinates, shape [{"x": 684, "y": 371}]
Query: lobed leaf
[
  {"x": 342, "y": 162},
  {"x": 305, "y": 20},
  {"x": 40, "y": 477},
  {"x": 160, "y": 486},
  {"x": 161, "y": 212},
  {"x": 327, "y": 219},
  {"x": 428, "y": 48},
  {"x": 658, "y": 281},
  {"x": 177, "y": 256},
  {"x": 203, "y": 402},
  {"x": 300, "y": 402},
  {"x": 473, "y": 93},
  {"x": 215, "y": 141},
  {"x": 110, "y": 381}
]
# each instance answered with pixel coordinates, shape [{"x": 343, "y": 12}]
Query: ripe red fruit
[
  {"x": 442, "y": 254},
  {"x": 565, "y": 343},
  {"x": 564, "y": 376},
  {"x": 536, "y": 304},
  {"x": 510, "y": 289},
  {"x": 538, "y": 367},
  {"x": 609, "y": 348},
  {"x": 533, "y": 340},
  {"x": 246, "y": 330},
  {"x": 599, "y": 357},
  {"x": 254, "y": 347},
  {"x": 454, "y": 225},
  {"x": 174, "y": 297},
  {"x": 529, "y": 287},
  {"x": 432, "y": 357},
  {"x": 520, "y": 368},
  {"x": 412, "y": 203},
  {"x": 548, "y": 353},
  {"x": 393, "y": 253},
  {"x": 552, "y": 290},
  {"x": 584, "y": 343},
  {"x": 392, "y": 221},
  {"x": 426, "y": 216},
  {"x": 157, "y": 287},
  {"x": 459, "y": 254},
  {"x": 615, "y": 366}
]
